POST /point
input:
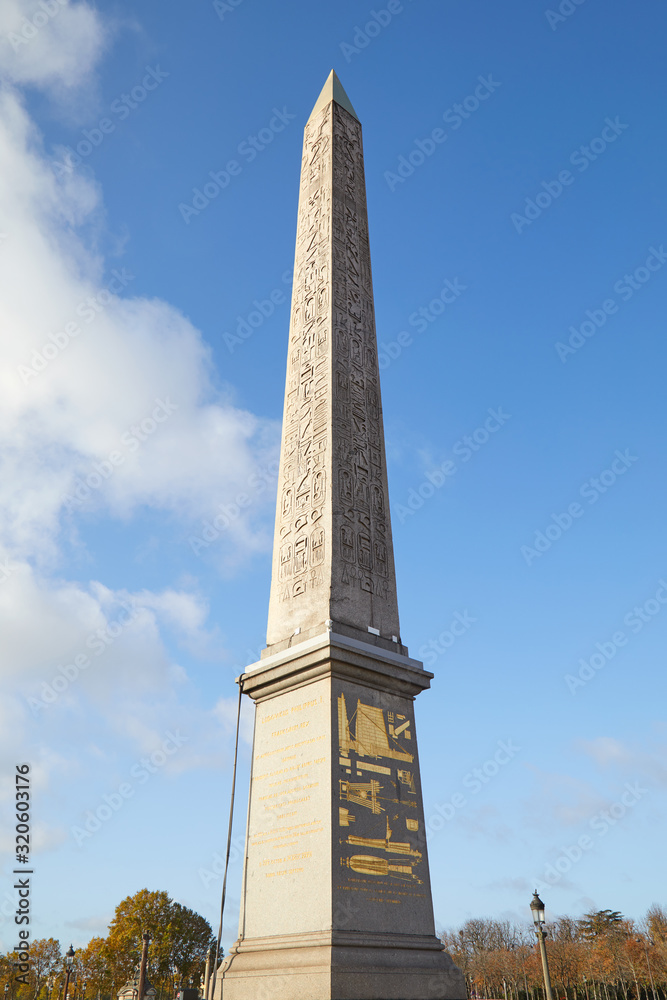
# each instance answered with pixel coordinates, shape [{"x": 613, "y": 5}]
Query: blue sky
[{"x": 526, "y": 478}]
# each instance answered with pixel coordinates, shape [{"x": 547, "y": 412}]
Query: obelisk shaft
[
  {"x": 336, "y": 899},
  {"x": 333, "y": 556}
]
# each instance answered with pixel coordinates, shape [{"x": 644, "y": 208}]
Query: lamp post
[
  {"x": 642, "y": 940},
  {"x": 210, "y": 959},
  {"x": 537, "y": 909},
  {"x": 144, "y": 961},
  {"x": 69, "y": 963}
]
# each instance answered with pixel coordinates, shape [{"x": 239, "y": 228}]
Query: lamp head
[{"x": 537, "y": 909}]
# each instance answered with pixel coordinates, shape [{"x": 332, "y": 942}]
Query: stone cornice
[{"x": 330, "y": 654}]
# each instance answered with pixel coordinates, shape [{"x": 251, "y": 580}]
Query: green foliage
[
  {"x": 601, "y": 922},
  {"x": 180, "y": 939}
]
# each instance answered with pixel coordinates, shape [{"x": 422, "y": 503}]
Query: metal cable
[{"x": 211, "y": 991}]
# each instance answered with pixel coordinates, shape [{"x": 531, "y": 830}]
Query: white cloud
[
  {"x": 560, "y": 800},
  {"x": 107, "y": 400},
  {"x": 49, "y": 43},
  {"x": 225, "y": 712},
  {"x": 109, "y": 405},
  {"x": 623, "y": 760}
]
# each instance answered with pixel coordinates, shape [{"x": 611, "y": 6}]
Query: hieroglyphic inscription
[
  {"x": 362, "y": 544},
  {"x": 300, "y": 528},
  {"x": 333, "y": 555}
]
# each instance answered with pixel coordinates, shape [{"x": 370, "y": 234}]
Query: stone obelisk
[{"x": 336, "y": 899}]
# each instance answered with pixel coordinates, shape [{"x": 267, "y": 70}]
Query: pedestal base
[{"x": 339, "y": 966}]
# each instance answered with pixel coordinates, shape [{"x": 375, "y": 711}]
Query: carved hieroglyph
[
  {"x": 336, "y": 897},
  {"x": 333, "y": 557}
]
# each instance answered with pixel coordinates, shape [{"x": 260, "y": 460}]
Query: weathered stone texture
[
  {"x": 333, "y": 555},
  {"x": 336, "y": 897}
]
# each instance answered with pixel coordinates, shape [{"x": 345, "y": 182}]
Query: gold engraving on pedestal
[
  {"x": 362, "y": 794},
  {"x": 380, "y": 733},
  {"x": 344, "y": 817},
  {"x": 405, "y": 778},
  {"x": 366, "y": 864},
  {"x": 386, "y": 844},
  {"x": 370, "y": 737},
  {"x": 376, "y": 768},
  {"x": 398, "y": 727}
]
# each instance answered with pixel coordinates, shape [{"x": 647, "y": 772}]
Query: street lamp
[
  {"x": 537, "y": 909},
  {"x": 69, "y": 962},
  {"x": 146, "y": 938},
  {"x": 642, "y": 940}
]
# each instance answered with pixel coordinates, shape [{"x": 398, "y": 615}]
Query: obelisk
[{"x": 336, "y": 899}]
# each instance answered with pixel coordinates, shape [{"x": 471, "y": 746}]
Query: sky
[{"x": 515, "y": 164}]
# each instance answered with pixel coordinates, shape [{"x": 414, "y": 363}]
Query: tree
[
  {"x": 94, "y": 968},
  {"x": 180, "y": 939},
  {"x": 44, "y": 961},
  {"x": 600, "y": 922},
  {"x": 190, "y": 944}
]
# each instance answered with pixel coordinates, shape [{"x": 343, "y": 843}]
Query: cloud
[
  {"x": 96, "y": 926},
  {"x": 110, "y": 406},
  {"x": 225, "y": 711},
  {"x": 560, "y": 801},
  {"x": 511, "y": 884},
  {"x": 49, "y": 43},
  {"x": 648, "y": 763},
  {"x": 73, "y": 335}
]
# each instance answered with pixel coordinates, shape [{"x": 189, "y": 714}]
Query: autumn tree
[
  {"x": 180, "y": 938},
  {"x": 45, "y": 962},
  {"x": 94, "y": 968},
  {"x": 601, "y": 956}
]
